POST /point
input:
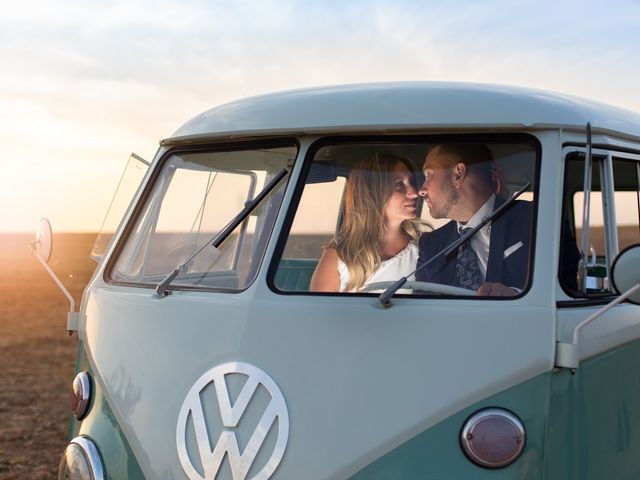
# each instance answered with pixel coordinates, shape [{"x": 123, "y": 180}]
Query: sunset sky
[{"x": 85, "y": 83}]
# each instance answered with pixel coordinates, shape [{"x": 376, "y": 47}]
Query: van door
[
  {"x": 594, "y": 412},
  {"x": 385, "y": 391}
]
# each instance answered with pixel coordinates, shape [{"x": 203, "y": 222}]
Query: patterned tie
[{"x": 468, "y": 274}]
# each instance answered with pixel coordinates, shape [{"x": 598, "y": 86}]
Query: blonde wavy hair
[{"x": 361, "y": 236}]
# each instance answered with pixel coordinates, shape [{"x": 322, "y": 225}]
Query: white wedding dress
[{"x": 390, "y": 270}]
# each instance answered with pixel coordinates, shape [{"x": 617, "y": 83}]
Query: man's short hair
[{"x": 477, "y": 156}]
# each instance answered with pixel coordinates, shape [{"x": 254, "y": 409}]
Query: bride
[{"x": 377, "y": 240}]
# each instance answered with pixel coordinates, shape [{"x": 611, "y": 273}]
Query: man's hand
[{"x": 495, "y": 289}]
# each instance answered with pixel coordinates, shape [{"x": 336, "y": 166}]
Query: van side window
[
  {"x": 193, "y": 198},
  {"x": 613, "y": 219},
  {"x": 373, "y": 211}
]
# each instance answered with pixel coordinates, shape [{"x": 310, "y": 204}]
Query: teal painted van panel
[
  {"x": 436, "y": 453},
  {"x": 589, "y": 421},
  {"x": 100, "y": 425},
  {"x": 582, "y": 426},
  {"x": 594, "y": 423}
]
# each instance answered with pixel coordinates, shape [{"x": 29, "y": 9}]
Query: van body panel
[
  {"x": 349, "y": 367},
  {"x": 594, "y": 415},
  {"x": 614, "y": 328},
  {"x": 579, "y": 426},
  {"x": 407, "y": 105},
  {"x": 101, "y": 425},
  {"x": 436, "y": 453},
  {"x": 556, "y": 406}
]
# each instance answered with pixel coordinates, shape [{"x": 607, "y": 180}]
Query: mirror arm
[
  {"x": 72, "y": 315},
  {"x": 567, "y": 354},
  {"x": 621, "y": 298}
]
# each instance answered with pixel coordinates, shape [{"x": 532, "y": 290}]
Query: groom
[{"x": 459, "y": 185}]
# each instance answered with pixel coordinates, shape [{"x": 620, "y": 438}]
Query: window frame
[
  {"x": 607, "y": 155},
  {"x": 139, "y": 209},
  {"x": 386, "y": 140}
]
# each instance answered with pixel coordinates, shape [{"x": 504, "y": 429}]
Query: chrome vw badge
[{"x": 201, "y": 420}]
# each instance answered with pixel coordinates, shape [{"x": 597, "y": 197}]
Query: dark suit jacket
[{"x": 508, "y": 230}]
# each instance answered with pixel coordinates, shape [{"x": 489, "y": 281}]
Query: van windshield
[
  {"x": 194, "y": 196},
  {"x": 373, "y": 211}
]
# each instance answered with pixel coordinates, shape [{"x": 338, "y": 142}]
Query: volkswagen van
[{"x": 204, "y": 352}]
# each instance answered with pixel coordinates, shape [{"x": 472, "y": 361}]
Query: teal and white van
[{"x": 203, "y": 353}]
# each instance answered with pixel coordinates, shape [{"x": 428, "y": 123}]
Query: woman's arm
[{"x": 326, "y": 277}]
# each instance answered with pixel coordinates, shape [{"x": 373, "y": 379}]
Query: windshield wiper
[
  {"x": 162, "y": 287},
  {"x": 385, "y": 297}
]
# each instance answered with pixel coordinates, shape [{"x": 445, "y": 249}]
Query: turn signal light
[
  {"x": 80, "y": 394},
  {"x": 493, "y": 438}
]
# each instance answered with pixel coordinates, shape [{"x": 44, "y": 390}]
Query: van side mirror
[
  {"x": 626, "y": 272},
  {"x": 41, "y": 248},
  {"x": 43, "y": 243}
]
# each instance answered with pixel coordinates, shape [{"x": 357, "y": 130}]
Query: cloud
[
  {"x": 94, "y": 80},
  {"x": 216, "y": 50}
]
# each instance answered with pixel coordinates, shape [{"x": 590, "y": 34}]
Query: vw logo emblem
[{"x": 200, "y": 421}]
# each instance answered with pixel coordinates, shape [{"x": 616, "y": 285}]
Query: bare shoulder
[{"x": 326, "y": 277}]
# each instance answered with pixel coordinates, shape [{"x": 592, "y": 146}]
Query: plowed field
[{"x": 37, "y": 357}]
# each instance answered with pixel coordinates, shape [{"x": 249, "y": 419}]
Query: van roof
[{"x": 405, "y": 106}]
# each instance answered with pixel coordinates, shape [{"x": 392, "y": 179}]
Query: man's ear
[{"x": 459, "y": 173}]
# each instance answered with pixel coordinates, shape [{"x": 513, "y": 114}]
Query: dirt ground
[{"x": 37, "y": 357}]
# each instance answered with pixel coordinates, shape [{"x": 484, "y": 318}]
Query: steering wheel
[{"x": 423, "y": 287}]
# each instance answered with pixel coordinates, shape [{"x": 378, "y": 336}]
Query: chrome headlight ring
[
  {"x": 80, "y": 395},
  {"x": 81, "y": 461}
]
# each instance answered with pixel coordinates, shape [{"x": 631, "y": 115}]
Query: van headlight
[{"x": 81, "y": 461}]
